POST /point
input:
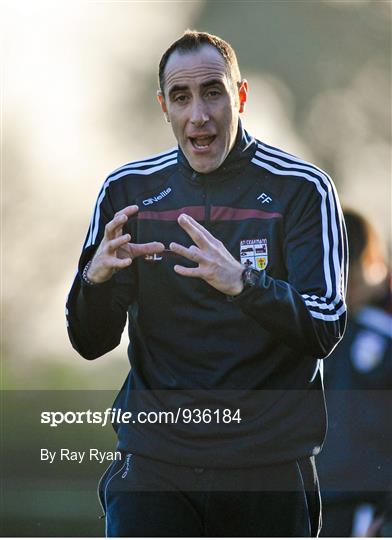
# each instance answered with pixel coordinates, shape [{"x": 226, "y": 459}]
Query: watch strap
[{"x": 250, "y": 277}]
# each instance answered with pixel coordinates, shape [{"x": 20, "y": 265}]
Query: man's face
[{"x": 203, "y": 107}]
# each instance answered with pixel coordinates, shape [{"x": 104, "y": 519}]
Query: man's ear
[
  {"x": 242, "y": 94},
  {"x": 162, "y": 103}
]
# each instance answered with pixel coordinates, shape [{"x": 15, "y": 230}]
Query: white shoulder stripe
[
  {"x": 327, "y": 271},
  {"x": 325, "y": 188},
  {"x": 296, "y": 166},
  {"x": 327, "y": 307},
  {"x": 96, "y": 215},
  {"x": 314, "y": 297},
  {"x": 296, "y": 162},
  {"x": 321, "y": 303},
  {"x": 334, "y": 317},
  {"x": 144, "y": 172},
  {"x": 341, "y": 275},
  {"x": 327, "y": 183},
  {"x": 153, "y": 160},
  {"x": 273, "y": 150},
  {"x": 303, "y": 165}
]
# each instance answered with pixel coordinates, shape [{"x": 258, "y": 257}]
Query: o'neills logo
[{"x": 157, "y": 198}]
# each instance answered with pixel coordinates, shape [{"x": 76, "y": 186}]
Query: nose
[{"x": 199, "y": 114}]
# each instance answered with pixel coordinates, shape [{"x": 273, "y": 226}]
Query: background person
[{"x": 355, "y": 464}]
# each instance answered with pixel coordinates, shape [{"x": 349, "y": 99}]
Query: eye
[
  {"x": 180, "y": 98},
  {"x": 213, "y": 94}
]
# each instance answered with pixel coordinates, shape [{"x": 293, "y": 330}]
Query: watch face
[{"x": 250, "y": 277}]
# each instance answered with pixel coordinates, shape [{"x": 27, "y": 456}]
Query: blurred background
[{"x": 78, "y": 100}]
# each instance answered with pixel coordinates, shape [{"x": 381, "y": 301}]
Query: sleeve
[
  {"x": 307, "y": 311},
  {"x": 96, "y": 315}
]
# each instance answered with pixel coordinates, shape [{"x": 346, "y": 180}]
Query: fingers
[
  {"x": 188, "y": 272},
  {"x": 128, "y": 210},
  {"x": 118, "y": 242},
  {"x": 192, "y": 253},
  {"x": 104, "y": 265},
  {"x": 114, "y": 228},
  {"x": 190, "y": 224},
  {"x": 132, "y": 250},
  {"x": 150, "y": 248},
  {"x": 118, "y": 264},
  {"x": 196, "y": 231}
]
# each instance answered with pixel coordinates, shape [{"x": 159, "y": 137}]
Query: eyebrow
[
  {"x": 178, "y": 88},
  {"x": 212, "y": 82},
  {"x": 183, "y": 87}
]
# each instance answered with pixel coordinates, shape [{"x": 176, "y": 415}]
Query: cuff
[{"x": 248, "y": 292}]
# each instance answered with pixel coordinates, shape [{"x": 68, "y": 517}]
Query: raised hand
[
  {"x": 216, "y": 265},
  {"x": 116, "y": 251}
]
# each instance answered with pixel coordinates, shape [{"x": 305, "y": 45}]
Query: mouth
[{"x": 202, "y": 143}]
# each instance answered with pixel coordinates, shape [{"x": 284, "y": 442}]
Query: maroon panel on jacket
[
  {"x": 226, "y": 213},
  {"x": 197, "y": 212}
]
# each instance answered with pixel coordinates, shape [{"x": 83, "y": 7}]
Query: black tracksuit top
[{"x": 190, "y": 345}]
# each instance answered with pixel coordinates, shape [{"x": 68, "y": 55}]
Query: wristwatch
[{"x": 250, "y": 277}]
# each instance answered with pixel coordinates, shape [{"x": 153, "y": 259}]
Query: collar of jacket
[{"x": 242, "y": 152}]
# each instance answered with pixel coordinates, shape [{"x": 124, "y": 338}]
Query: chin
[{"x": 204, "y": 167}]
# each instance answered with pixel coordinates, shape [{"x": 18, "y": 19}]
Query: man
[
  {"x": 356, "y": 465},
  {"x": 229, "y": 257}
]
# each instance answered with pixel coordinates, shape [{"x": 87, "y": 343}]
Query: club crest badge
[{"x": 254, "y": 253}]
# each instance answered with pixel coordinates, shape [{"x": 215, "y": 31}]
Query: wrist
[
  {"x": 236, "y": 288},
  {"x": 86, "y": 276},
  {"x": 248, "y": 279},
  {"x": 236, "y": 285}
]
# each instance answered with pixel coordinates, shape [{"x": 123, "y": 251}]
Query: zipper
[
  {"x": 206, "y": 193},
  {"x": 207, "y": 203}
]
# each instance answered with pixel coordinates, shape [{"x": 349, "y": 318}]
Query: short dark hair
[
  {"x": 192, "y": 40},
  {"x": 358, "y": 234}
]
